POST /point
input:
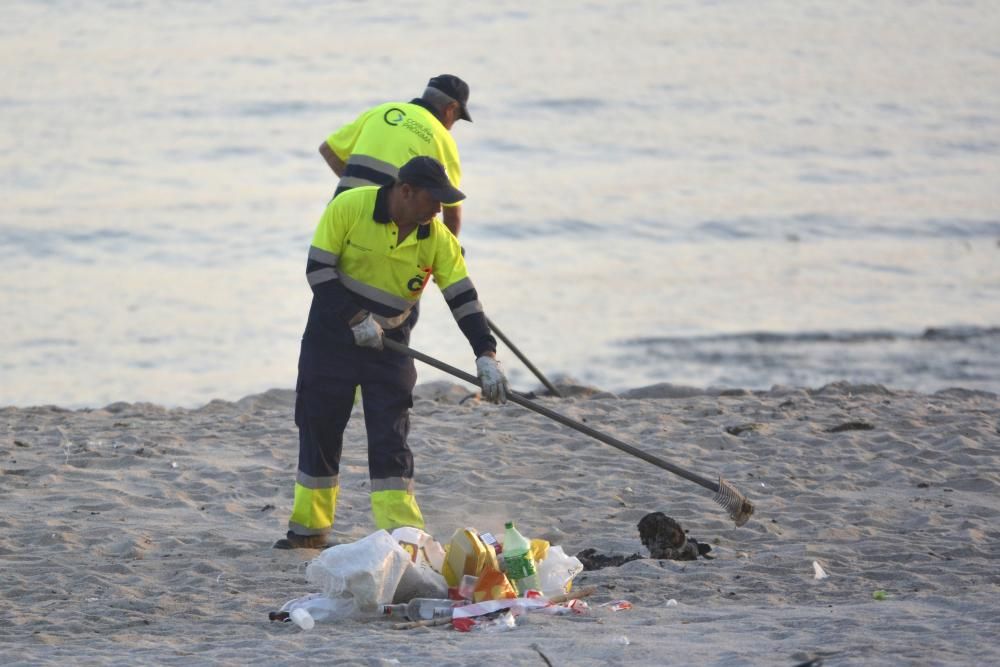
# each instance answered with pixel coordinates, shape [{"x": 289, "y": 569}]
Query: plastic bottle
[
  {"x": 420, "y": 609},
  {"x": 521, "y": 570},
  {"x": 302, "y": 618}
]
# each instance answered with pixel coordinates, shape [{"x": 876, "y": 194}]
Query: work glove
[
  {"x": 492, "y": 380},
  {"x": 368, "y": 333}
]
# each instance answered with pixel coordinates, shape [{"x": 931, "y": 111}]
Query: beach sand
[{"x": 135, "y": 534}]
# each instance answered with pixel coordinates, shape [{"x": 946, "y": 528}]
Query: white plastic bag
[
  {"x": 365, "y": 572},
  {"x": 556, "y": 571}
]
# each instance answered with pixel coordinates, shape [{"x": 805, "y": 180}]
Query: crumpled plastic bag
[
  {"x": 556, "y": 571},
  {"x": 366, "y": 572}
]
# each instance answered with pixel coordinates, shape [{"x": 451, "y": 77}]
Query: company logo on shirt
[
  {"x": 417, "y": 282},
  {"x": 397, "y": 118},
  {"x": 394, "y": 116}
]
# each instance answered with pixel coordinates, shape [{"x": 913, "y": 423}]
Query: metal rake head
[{"x": 734, "y": 502}]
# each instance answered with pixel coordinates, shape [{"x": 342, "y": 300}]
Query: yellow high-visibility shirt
[
  {"x": 384, "y": 138},
  {"x": 355, "y": 244}
]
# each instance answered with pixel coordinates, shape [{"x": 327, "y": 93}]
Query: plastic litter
[
  {"x": 422, "y": 579},
  {"x": 519, "y": 560},
  {"x": 467, "y": 587},
  {"x": 382, "y": 572},
  {"x": 466, "y": 553},
  {"x": 556, "y": 571},
  {"x": 420, "y": 609},
  {"x": 354, "y": 578},
  {"x": 819, "y": 572},
  {"x": 493, "y": 585},
  {"x": 318, "y": 606},
  {"x": 469, "y": 616},
  {"x": 501, "y": 623},
  {"x": 424, "y": 550},
  {"x": 302, "y": 618}
]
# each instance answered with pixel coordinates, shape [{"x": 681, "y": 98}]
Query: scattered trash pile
[{"x": 476, "y": 582}]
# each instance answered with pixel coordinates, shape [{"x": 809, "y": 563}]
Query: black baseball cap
[
  {"x": 428, "y": 174},
  {"x": 456, "y": 89}
]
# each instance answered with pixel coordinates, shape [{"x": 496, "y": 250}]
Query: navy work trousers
[{"x": 325, "y": 398}]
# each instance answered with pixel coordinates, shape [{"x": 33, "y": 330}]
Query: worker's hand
[
  {"x": 368, "y": 333},
  {"x": 492, "y": 379}
]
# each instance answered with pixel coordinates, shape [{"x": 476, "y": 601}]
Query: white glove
[
  {"x": 492, "y": 380},
  {"x": 368, "y": 333}
]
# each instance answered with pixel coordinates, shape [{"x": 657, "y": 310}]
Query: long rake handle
[
  {"x": 523, "y": 401},
  {"x": 531, "y": 367}
]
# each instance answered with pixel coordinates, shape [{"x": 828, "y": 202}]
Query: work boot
[{"x": 296, "y": 541}]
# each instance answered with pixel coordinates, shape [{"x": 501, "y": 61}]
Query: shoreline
[{"x": 569, "y": 387}]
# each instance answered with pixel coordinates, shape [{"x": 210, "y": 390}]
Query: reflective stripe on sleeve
[
  {"x": 375, "y": 164},
  {"x": 326, "y": 261},
  {"x": 366, "y": 170},
  {"x": 467, "y": 309},
  {"x": 462, "y": 299},
  {"x": 323, "y": 256},
  {"x": 453, "y": 290},
  {"x": 323, "y": 275},
  {"x": 348, "y": 182}
]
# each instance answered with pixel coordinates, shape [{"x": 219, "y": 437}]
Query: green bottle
[{"x": 521, "y": 570}]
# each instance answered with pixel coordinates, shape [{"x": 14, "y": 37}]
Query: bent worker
[
  {"x": 371, "y": 149},
  {"x": 372, "y": 254}
]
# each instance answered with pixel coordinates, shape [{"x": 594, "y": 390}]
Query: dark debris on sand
[{"x": 662, "y": 535}]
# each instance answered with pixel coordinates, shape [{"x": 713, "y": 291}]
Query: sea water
[{"x": 706, "y": 193}]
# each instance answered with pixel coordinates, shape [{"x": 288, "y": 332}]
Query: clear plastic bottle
[
  {"x": 520, "y": 566},
  {"x": 419, "y": 609}
]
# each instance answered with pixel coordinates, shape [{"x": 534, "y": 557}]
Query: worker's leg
[
  {"x": 387, "y": 395},
  {"x": 322, "y": 409}
]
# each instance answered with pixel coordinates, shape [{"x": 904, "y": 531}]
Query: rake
[{"x": 726, "y": 495}]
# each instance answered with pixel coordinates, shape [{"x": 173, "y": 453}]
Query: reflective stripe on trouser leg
[
  {"x": 322, "y": 408},
  {"x": 387, "y": 396}
]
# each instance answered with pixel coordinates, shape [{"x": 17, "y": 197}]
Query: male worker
[
  {"x": 370, "y": 150},
  {"x": 371, "y": 257}
]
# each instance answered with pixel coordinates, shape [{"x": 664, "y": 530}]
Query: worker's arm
[
  {"x": 331, "y": 158},
  {"x": 451, "y": 216},
  {"x": 452, "y": 277},
  {"x": 337, "y": 305}
]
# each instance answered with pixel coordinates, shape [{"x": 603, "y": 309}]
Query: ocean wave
[{"x": 930, "y": 360}]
